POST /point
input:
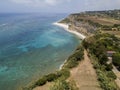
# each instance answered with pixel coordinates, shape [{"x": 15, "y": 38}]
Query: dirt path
[{"x": 84, "y": 75}]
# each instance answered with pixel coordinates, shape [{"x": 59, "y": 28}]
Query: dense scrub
[
  {"x": 105, "y": 78},
  {"x": 116, "y": 60},
  {"x": 97, "y": 46},
  {"x": 74, "y": 59}
]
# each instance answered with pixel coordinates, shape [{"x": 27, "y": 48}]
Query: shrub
[
  {"x": 96, "y": 66},
  {"x": 75, "y": 58},
  {"x": 111, "y": 75},
  {"x": 41, "y": 81},
  {"x": 116, "y": 59},
  {"x": 51, "y": 77},
  {"x": 64, "y": 73},
  {"x": 60, "y": 85},
  {"x": 63, "y": 85},
  {"x": 109, "y": 67},
  {"x": 103, "y": 59},
  {"x": 71, "y": 63},
  {"x": 105, "y": 80}
]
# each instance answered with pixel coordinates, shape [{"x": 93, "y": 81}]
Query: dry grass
[
  {"x": 116, "y": 33},
  {"x": 102, "y": 21}
]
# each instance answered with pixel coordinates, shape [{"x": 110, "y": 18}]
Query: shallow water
[{"x": 31, "y": 46}]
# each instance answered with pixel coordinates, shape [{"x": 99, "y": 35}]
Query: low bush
[
  {"x": 109, "y": 67},
  {"x": 105, "y": 78},
  {"x": 71, "y": 63},
  {"x": 60, "y": 85},
  {"x": 63, "y": 85},
  {"x": 111, "y": 75},
  {"x": 116, "y": 59},
  {"x": 51, "y": 77},
  {"x": 64, "y": 73},
  {"x": 41, "y": 81},
  {"x": 74, "y": 59}
]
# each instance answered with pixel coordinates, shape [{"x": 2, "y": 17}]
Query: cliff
[
  {"x": 88, "y": 22},
  {"x": 78, "y": 25}
]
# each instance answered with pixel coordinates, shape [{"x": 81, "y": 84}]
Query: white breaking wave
[
  {"x": 65, "y": 26},
  {"x": 3, "y": 25}
]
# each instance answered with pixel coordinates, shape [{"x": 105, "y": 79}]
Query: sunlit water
[{"x": 31, "y": 46}]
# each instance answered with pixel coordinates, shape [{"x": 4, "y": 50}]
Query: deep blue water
[{"x": 31, "y": 46}]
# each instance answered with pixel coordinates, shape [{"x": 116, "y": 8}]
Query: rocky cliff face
[{"x": 75, "y": 23}]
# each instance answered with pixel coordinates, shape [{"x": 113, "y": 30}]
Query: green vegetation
[
  {"x": 66, "y": 20},
  {"x": 105, "y": 78},
  {"x": 74, "y": 59},
  {"x": 95, "y": 24},
  {"x": 116, "y": 60},
  {"x": 63, "y": 85},
  {"x": 110, "y": 74},
  {"x": 60, "y": 85},
  {"x": 98, "y": 45},
  {"x": 108, "y": 13},
  {"x": 115, "y": 27},
  {"x": 109, "y": 67}
]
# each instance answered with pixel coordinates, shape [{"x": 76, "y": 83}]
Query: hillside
[
  {"x": 88, "y": 22},
  {"x": 102, "y": 29}
]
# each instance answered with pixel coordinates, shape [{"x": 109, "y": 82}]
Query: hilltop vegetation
[{"x": 97, "y": 46}]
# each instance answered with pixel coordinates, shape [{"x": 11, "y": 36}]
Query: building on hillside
[{"x": 109, "y": 55}]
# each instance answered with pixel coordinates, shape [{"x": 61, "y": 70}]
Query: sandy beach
[{"x": 65, "y": 26}]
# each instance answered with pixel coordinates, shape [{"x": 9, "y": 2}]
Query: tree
[{"x": 116, "y": 59}]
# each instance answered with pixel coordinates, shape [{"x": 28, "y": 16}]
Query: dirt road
[{"x": 85, "y": 76}]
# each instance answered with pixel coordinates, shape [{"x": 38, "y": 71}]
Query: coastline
[
  {"x": 79, "y": 35},
  {"x": 66, "y": 27},
  {"x": 61, "y": 66}
]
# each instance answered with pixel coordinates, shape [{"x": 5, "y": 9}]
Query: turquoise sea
[{"x": 31, "y": 46}]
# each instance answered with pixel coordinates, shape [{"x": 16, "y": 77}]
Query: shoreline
[
  {"x": 79, "y": 35},
  {"x": 61, "y": 66},
  {"x": 65, "y": 26}
]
